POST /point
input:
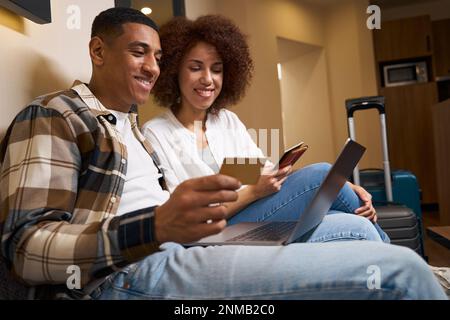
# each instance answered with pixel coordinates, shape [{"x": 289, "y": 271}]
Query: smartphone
[{"x": 291, "y": 155}]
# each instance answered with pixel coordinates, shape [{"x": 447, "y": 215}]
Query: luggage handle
[{"x": 365, "y": 103}]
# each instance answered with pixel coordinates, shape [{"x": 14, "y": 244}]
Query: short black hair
[{"x": 108, "y": 23}]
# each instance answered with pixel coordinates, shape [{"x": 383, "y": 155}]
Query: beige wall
[
  {"x": 351, "y": 71},
  {"x": 306, "y": 114},
  {"x": 195, "y": 8},
  {"x": 36, "y": 59},
  {"x": 340, "y": 29}
]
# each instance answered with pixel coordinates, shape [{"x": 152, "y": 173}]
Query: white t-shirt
[
  {"x": 141, "y": 189},
  {"x": 177, "y": 148}
]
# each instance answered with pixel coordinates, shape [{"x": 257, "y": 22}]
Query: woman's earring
[{"x": 178, "y": 100}]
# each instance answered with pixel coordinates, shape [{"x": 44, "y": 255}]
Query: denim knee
[
  {"x": 319, "y": 167},
  {"x": 368, "y": 227},
  {"x": 317, "y": 171},
  {"x": 359, "y": 227},
  {"x": 412, "y": 275},
  {"x": 344, "y": 227}
]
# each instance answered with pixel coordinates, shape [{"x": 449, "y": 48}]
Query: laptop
[{"x": 285, "y": 232}]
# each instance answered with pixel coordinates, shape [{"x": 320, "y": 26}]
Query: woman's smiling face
[{"x": 201, "y": 76}]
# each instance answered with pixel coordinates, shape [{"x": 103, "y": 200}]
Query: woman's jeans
[
  {"x": 322, "y": 268},
  {"x": 295, "y": 195}
]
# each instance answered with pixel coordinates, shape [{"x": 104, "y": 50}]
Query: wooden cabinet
[
  {"x": 403, "y": 39},
  {"x": 410, "y": 133},
  {"x": 441, "y": 44},
  {"x": 441, "y": 124}
]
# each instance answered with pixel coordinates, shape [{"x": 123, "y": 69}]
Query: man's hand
[
  {"x": 187, "y": 216},
  {"x": 367, "y": 210}
]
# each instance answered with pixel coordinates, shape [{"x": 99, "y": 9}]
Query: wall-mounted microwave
[{"x": 405, "y": 73}]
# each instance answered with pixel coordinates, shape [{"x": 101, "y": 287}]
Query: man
[{"x": 79, "y": 186}]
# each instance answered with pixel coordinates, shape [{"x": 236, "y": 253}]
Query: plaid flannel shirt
[{"x": 62, "y": 176}]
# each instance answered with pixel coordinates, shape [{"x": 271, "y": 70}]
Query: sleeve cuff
[{"x": 136, "y": 234}]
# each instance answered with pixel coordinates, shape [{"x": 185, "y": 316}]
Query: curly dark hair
[{"x": 180, "y": 35}]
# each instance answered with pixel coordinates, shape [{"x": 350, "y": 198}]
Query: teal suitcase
[
  {"x": 396, "y": 194},
  {"x": 405, "y": 188}
]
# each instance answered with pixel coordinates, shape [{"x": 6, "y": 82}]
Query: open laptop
[{"x": 283, "y": 233}]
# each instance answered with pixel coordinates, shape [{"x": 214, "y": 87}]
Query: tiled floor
[{"x": 438, "y": 255}]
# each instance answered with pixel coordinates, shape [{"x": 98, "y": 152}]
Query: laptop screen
[{"x": 328, "y": 190}]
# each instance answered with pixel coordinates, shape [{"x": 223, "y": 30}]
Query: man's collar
[{"x": 91, "y": 100}]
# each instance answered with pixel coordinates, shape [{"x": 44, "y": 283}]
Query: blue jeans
[
  {"x": 323, "y": 268},
  {"x": 332, "y": 270},
  {"x": 295, "y": 195}
]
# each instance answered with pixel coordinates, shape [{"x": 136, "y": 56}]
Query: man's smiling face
[{"x": 131, "y": 65}]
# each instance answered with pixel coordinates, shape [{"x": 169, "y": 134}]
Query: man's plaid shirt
[{"x": 62, "y": 176}]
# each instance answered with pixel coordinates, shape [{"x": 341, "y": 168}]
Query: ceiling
[{"x": 162, "y": 9}]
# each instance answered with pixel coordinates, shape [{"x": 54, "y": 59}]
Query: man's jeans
[
  {"x": 295, "y": 195},
  {"x": 332, "y": 270},
  {"x": 324, "y": 268}
]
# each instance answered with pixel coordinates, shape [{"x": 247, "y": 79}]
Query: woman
[{"x": 206, "y": 67}]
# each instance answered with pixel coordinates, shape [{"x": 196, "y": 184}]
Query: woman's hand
[
  {"x": 270, "y": 182},
  {"x": 367, "y": 210}
]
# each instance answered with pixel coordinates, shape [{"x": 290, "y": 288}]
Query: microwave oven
[{"x": 405, "y": 73}]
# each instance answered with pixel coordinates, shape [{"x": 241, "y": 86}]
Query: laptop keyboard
[{"x": 272, "y": 231}]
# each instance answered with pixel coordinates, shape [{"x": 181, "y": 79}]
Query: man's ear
[{"x": 97, "y": 50}]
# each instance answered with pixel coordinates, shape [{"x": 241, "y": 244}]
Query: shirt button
[
  {"x": 113, "y": 199},
  {"x": 124, "y": 161}
]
